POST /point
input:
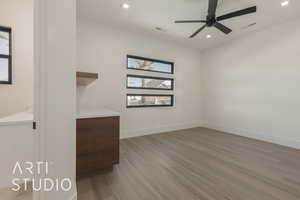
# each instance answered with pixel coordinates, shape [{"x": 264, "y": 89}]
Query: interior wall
[
  {"x": 55, "y": 61},
  {"x": 251, "y": 85},
  {"x": 103, "y": 49},
  {"x": 19, "y": 96}
]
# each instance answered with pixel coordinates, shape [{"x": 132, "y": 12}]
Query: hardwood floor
[
  {"x": 8, "y": 194},
  {"x": 198, "y": 164}
]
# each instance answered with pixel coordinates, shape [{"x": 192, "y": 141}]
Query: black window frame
[
  {"x": 150, "y": 77},
  {"x": 9, "y": 57},
  {"x": 150, "y": 106},
  {"x": 152, "y": 60}
]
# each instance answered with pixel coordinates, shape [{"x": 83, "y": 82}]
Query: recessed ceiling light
[
  {"x": 208, "y": 36},
  {"x": 126, "y": 6},
  {"x": 284, "y": 3}
]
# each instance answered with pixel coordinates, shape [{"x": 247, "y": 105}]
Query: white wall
[
  {"x": 19, "y": 16},
  {"x": 16, "y": 141},
  {"x": 251, "y": 85},
  {"x": 55, "y": 64},
  {"x": 103, "y": 49}
]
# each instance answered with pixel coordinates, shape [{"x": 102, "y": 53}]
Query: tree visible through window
[
  {"x": 147, "y": 64},
  {"x": 149, "y": 100},
  {"x": 148, "y": 82},
  {"x": 142, "y": 82}
]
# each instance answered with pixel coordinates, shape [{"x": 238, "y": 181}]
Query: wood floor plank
[
  {"x": 8, "y": 194},
  {"x": 198, "y": 164}
]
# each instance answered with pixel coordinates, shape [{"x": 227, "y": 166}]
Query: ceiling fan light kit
[{"x": 213, "y": 21}]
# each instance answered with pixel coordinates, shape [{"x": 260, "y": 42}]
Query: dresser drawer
[
  {"x": 97, "y": 145},
  {"x": 90, "y": 164},
  {"x": 96, "y": 134},
  {"x": 105, "y": 123},
  {"x": 91, "y": 142}
]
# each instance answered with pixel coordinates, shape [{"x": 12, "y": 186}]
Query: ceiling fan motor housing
[{"x": 211, "y": 20}]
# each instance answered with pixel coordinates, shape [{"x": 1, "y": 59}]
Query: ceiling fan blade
[
  {"x": 198, "y": 31},
  {"x": 190, "y": 21},
  {"x": 212, "y": 7},
  {"x": 238, "y": 13},
  {"x": 222, "y": 28}
]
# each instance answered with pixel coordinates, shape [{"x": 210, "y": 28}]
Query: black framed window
[
  {"x": 5, "y": 56},
  {"x": 149, "y": 100},
  {"x": 149, "y": 64},
  {"x": 149, "y": 82}
]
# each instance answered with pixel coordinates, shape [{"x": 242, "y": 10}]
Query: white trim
[
  {"x": 258, "y": 135},
  {"x": 74, "y": 196},
  {"x": 39, "y": 84},
  {"x": 16, "y": 123},
  {"x": 17, "y": 119},
  {"x": 155, "y": 130},
  {"x": 96, "y": 113}
]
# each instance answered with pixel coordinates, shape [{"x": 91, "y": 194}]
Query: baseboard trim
[
  {"x": 259, "y": 135},
  {"x": 74, "y": 196},
  {"x": 155, "y": 130}
]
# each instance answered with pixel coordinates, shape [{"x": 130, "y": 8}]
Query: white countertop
[
  {"x": 95, "y": 113},
  {"x": 27, "y": 117},
  {"x": 18, "y": 118}
]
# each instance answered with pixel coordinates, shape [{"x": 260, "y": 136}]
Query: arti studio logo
[{"x": 38, "y": 169}]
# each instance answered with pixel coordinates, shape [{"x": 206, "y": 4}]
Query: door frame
[
  {"x": 39, "y": 86},
  {"x": 55, "y": 92}
]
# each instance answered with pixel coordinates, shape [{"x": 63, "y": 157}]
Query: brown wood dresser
[{"x": 97, "y": 145}]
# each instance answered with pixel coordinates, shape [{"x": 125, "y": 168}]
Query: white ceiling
[{"x": 147, "y": 14}]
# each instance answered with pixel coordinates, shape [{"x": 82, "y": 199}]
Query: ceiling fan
[{"x": 213, "y": 21}]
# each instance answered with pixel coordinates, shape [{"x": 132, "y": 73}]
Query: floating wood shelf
[{"x": 85, "y": 78}]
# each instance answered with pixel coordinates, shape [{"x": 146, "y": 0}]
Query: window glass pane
[
  {"x": 144, "y": 82},
  {"x": 4, "y": 69},
  {"x": 4, "y": 43},
  {"x": 149, "y": 65},
  {"x": 149, "y": 100}
]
